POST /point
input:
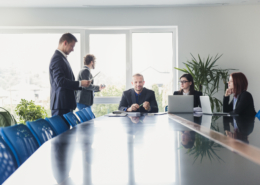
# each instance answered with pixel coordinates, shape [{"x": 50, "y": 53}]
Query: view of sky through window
[
  {"x": 25, "y": 59},
  {"x": 24, "y": 72}
]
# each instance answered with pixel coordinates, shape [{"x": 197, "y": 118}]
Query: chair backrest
[
  {"x": 58, "y": 124},
  {"x": 71, "y": 118},
  {"x": 41, "y": 129},
  {"x": 8, "y": 163},
  {"x": 81, "y": 116},
  {"x": 20, "y": 140},
  {"x": 85, "y": 112},
  {"x": 166, "y": 108},
  {"x": 88, "y": 109}
]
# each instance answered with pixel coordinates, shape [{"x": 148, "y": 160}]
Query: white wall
[{"x": 231, "y": 30}]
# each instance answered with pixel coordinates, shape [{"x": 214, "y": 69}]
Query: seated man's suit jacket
[
  {"x": 129, "y": 98},
  {"x": 63, "y": 84}
]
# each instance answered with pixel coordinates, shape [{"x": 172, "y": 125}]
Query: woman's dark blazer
[
  {"x": 196, "y": 96},
  {"x": 244, "y": 107}
]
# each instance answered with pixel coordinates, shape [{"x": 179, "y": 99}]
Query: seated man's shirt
[{"x": 130, "y": 97}]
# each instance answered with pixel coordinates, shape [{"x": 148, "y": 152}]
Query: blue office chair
[
  {"x": 8, "y": 163},
  {"x": 166, "y": 108},
  {"x": 71, "y": 119},
  {"x": 88, "y": 109},
  {"x": 81, "y": 116},
  {"x": 58, "y": 124},
  {"x": 41, "y": 130},
  {"x": 21, "y": 141},
  {"x": 85, "y": 112}
]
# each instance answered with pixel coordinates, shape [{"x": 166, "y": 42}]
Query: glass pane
[
  {"x": 24, "y": 72},
  {"x": 110, "y": 52},
  {"x": 152, "y": 57},
  {"x": 102, "y": 109}
]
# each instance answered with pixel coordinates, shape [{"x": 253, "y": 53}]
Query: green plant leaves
[
  {"x": 28, "y": 111},
  {"x": 203, "y": 148},
  {"x": 207, "y": 77}
]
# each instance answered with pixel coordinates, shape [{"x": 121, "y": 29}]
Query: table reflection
[
  {"x": 138, "y": 150},
  {"x": 239, "y": 127},
  {"x": 187, "y": 139},
  {"x": 200, "y": 147},
  {"x": 137, "y": 119}
]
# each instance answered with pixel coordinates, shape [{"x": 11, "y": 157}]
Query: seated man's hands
[
  {"x": 85, "y": 83},
  {"x": 146, "y": 106},
  {"x": 133, "y": 107}
]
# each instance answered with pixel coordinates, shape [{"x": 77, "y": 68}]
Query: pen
[{"x": 140, "y": 105}]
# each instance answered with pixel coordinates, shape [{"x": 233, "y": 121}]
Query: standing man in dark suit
[
  {"x": 85, "y": 96},
  {"x": 62, "y": 80},
  {"x": 138, "y": 99}
]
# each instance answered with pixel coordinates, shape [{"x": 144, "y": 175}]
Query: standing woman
[
  {"x": 187, "y": 88},
  {"x": 242, "y": 103}
]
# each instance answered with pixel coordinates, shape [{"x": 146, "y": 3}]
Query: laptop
[
  {"x": 180, "y": 104},
  {"x": 206, "y": 108}
]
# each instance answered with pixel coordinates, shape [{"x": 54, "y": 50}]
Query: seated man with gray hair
[{"x": 138, "y": 99}]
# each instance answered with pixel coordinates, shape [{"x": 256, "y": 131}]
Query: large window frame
[
  {"x": 84, "y": 47},
  {"x": 128, "y": 32},
  {"x": 111, "y": 100},
  {"x": 174, "y": 31}
]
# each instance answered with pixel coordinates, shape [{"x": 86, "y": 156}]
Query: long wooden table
[{"x": 147, "y": 150}]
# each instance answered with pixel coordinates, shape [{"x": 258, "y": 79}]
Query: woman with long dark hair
[
  {"x": 187, "y": 88},
  {"x": 242, "y": 103}
]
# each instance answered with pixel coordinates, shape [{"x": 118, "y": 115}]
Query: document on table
[
  {"x": 197, "y": 109},
  {"x": 116, "y": 115},
  {"x": 160, "y": 113}
]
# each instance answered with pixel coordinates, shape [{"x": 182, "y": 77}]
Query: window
[
  {"x": 25, "y": 57},
  {"x": 152, "y": 56},
  {"x": 110, "y": 52},
  {"x": 24, "y": 72},
  {"x": 120, "y": 54}
]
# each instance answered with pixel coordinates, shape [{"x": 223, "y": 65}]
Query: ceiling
[{"x": 122, "y": 3}]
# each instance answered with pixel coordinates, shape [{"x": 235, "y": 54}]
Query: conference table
[{"x": 163, "y": 149}]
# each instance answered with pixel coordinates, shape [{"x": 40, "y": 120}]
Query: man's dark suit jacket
[
  {"x": 244, "y": 106},
  {"x": 196, "y": 96},
  {"x": 129, "y": 98},
  {"x": 63, "y": 84},
  {"x": 85, "y": 96}
]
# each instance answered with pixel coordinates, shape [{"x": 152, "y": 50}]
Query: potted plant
[
  {"x": 28, "y": 111},
  {"x": 207, "y": 77}
]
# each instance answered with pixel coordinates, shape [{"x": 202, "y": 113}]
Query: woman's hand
[{"x": 228, "y": 92}]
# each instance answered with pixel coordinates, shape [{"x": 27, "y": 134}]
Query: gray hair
[{"x": 138, "y": 74}]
